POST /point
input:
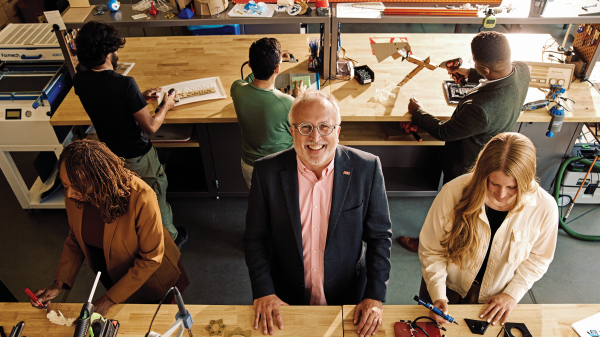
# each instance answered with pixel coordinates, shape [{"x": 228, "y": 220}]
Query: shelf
[
  {"x": 123, "y": 18},
  {"x": 56, "y": 200},
  {"x": 372, "y": 134}
]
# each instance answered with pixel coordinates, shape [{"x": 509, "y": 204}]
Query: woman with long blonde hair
[{"x": 489, "y": 234}]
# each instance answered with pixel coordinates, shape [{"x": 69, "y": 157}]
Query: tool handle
[
  {"x": 17, "y": 329},
  {"x": 83, "y": 322},
  {"x": 33, "y": 297},
  {"x": 459, "y": 78},
  {"x": 163, "y": 101},
  {"x": 434, "y": 309},
  {"x": 417, "y": 137},
  {"x": 81, "y": 329}
]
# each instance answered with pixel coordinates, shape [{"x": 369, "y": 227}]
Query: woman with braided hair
[{"x": 115, "y": 223}]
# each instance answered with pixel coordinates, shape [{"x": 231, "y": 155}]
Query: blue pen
[{"x": 434, "y": 309}]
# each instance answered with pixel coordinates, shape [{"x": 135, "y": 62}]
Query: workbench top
[
  {"x": 135, "y": 319},
  {"x": 542, "y": 320},
  {"x": 358, "y": 102},
  {"x": 166, "y": 60}
]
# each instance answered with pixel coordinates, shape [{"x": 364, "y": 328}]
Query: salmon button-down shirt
[{"x": 314, "y": 196}]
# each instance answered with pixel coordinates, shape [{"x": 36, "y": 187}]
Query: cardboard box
[{"x": 210, "y": 7}]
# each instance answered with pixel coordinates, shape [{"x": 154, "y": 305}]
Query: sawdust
[{"x": 53, "y": 317}]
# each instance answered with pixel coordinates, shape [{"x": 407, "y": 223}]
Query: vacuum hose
[{"x": 559, "y": 178}]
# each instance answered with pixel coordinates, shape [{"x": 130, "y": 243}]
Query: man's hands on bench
[{"x": 264, "y": 309}]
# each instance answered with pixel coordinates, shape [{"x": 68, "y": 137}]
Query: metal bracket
[
  {"x": 477, "y": 327},
  {"x": 519, "y": 326}
]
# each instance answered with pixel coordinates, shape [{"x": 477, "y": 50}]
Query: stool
[{"x": 214, "y": 30}]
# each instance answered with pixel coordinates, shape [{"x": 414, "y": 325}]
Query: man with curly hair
[
  {"x": 119, "y": 111},
  {"x": 491, "y": 108},
  {"x": 115, "y": 224}
]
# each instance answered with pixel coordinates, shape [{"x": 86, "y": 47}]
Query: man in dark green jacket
[{"x": 491, "y": 108}]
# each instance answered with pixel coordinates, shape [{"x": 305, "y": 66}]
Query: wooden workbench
[
  {"x": 542, "y": 320},
  {"x": 167, "y": 60},
  {"x": 299, "y": 321},
  {"x": 357, "y": 102},
  {"x": 408, "y": 171}
]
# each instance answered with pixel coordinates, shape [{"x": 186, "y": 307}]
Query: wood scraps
[
  {"x": 196, "y": 90},
  {"x": 401, "y": 50},
  {"x": 217, "y": 328}
]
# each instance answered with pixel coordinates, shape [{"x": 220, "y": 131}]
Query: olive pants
[{"x": 151, "y": 171}]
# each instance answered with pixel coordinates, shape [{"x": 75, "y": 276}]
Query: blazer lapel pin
[{"x": 347, "y": 173}]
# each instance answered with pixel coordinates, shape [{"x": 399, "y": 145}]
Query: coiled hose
[{"x": 559, "y": 178}]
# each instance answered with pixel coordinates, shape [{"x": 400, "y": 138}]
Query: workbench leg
[
  {"x": 515, "y": 28},
  {"x": 334, "y": 43},
  {"x": 14, "y": 178},
  {"x": 457, "y": 28},
  {"x": 550, "y": 151},
  {"x": 326, "y": 49}
]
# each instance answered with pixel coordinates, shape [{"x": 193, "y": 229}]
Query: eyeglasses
[{"x": 306, "y": 129}]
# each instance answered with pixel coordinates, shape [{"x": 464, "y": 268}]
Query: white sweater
[{"x": 521, "y": 252}]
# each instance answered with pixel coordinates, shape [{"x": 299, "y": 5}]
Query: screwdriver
[
  {"x": 434, "y": 309},
  {"x": 36, "y": 299}
]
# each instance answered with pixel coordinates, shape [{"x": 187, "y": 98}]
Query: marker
[
  {"x": 35, "y": 298},
  {"x": 434, "y": 309}
]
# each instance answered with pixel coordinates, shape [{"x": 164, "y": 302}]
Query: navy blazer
[{"x": 359, "y": 213}]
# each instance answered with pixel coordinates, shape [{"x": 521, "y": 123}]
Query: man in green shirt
[{"x": 262, "y": 110}]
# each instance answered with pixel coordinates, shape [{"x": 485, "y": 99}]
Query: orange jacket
[{"x": 141, "y": 257}]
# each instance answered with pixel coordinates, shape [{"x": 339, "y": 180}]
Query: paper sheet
[
  {"x": 347, "y": 10},
  {"x": 53, "y": 17},
  {"x": 588, "y": 327}
]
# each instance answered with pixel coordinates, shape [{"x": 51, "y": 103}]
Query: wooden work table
[
  {"x": 359, "y": 102},
  {"x": 299, "y": 321},
  {"x": 167, "y": 60},
  {"x": 542, "y": 320},
  {"x": 407, "y": 164}
]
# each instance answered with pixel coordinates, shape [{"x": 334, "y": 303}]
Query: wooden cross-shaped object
[{"x": 401, "y": 50}]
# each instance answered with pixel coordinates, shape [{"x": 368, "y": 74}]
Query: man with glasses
[
  {"x": 260, "y": 108},
  {"x": 310, "y": 210},
  {"x": 491, "y": 108}
]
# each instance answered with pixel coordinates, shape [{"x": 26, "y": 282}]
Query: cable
[
  {"x": 159, "y": 304},
  {"x": 559, "y": 177},
  {"x": 418, "y": 327},
  {"x": 242, "y": 70}
]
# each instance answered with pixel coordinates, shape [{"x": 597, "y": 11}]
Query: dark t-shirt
[
  {"x": 496, "y": 218},
  {"x": 111, "y": 100}
]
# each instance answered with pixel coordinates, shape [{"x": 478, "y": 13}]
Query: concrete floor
[{"x": 214, "y": 258}]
